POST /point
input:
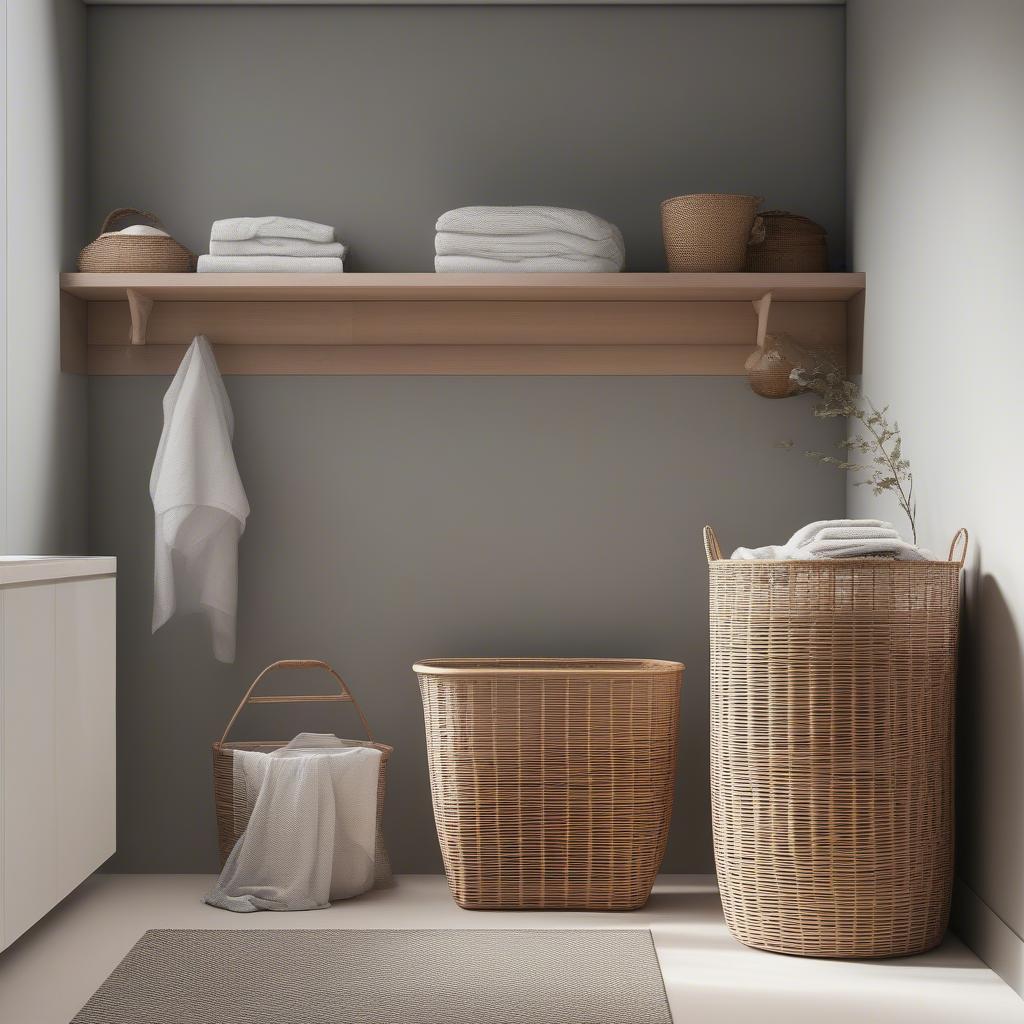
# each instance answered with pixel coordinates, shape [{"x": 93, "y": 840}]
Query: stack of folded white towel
[
  {"x": 487, "y": 239},
  {"x": 243, "y": 245},
  {"x": 839, "y": 538}
]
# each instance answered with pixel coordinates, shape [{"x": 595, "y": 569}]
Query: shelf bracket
[
  {"x": 140, "y": 307},
  {"x": 761, "y": 308}
]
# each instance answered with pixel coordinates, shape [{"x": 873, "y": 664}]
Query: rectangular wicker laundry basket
[
  {"x": 832, "y": 686},
  {"x": 231, "y": 809},
  {"x": 552, "y": 779}
]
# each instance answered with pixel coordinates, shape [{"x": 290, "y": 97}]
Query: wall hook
[{"x": 140, "y": 306}]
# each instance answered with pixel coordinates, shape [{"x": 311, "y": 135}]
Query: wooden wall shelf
[{"x": 123, "y": 324}]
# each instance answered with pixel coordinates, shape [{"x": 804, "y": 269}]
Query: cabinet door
[
  {"x": 85, "y": 754},
  {"x": 29, "y": 782}
]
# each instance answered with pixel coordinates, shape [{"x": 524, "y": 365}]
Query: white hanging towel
[{"x": 199, "y": 502}]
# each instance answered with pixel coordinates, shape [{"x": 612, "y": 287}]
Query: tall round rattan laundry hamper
[
  {"x": 552, "y": 779},
  {"x": 832, "y": 687}
]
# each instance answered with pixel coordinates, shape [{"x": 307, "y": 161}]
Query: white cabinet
[{"x": 57, "y": 744}]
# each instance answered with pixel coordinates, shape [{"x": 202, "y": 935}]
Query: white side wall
[
  {"x": 936, "y": 199},
  {"x": 44, "y": 414}
]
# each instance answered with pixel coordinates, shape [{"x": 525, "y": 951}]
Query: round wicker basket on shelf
[
  {"x": 790, "y": 244},
  {"x": 117, "y": 253},
  {"x": 832, "y": 687},
  {"x": 708, "y": 233}
]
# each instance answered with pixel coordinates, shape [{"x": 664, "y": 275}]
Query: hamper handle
[
  {"x": 960, "y": 535},
  {"x": 711, "y": 546},
  {"x": 309, "y": 698},
  {"x": 129, "y": 211}
]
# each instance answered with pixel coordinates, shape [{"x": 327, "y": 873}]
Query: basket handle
[
  {"x": 711, "y": 546},
  {"x": 307, "y": 698},
  {"x": 123, "y": 212},
  {"x": 960, "y": 535}
]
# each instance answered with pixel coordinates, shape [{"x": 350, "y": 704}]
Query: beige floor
[{"x": 50, "y": 972}]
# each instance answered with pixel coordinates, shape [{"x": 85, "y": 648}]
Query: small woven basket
[
  {"x": 232, "y": 814},
  {"x": 791, "y": 244},
  {"x": 708, "y": 233},
  {"x": 117, "y": 253},
  {"x": 552, "y": 779},
  {"x": 832, "y": 687}
]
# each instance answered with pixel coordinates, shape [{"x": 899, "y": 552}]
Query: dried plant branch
[{"x": 876, "y": 451}]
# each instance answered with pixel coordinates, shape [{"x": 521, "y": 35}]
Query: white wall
[
  {"x": 936, "y": 200},
  {"x": 44, "y": 435}
]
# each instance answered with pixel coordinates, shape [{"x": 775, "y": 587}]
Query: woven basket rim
[
  {"x": 824, "y": 563},
  {"x": 588, "y": 667},
  {"x": 384, "y": 748},
  {"x": 711, "y": 195}
]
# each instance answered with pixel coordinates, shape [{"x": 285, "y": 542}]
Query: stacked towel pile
[
  {"x": 245, "y": 245},
  {"x": 496, "y": 239},
  {"x": 839, "y": 538}
]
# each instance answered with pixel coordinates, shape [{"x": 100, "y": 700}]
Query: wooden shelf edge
[
  {"x": 665, "y": 324},
  {"x": 828, "y": 287}
]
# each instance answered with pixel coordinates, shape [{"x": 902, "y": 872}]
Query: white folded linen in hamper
[
  {"x": 312, "y": 831},
  {"x": 199, "y": 502}
]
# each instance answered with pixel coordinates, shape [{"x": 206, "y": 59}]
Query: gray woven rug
[{"x": 478, "y": 976}]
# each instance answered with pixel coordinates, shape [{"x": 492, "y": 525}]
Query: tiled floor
[{"x": 50, "y": 972}]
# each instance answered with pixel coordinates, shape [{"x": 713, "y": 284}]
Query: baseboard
[{"x": 994, "y": 941}]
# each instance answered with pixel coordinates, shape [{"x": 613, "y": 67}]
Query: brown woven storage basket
[
  {"x": 832, "y": 687},
  {"x": 791, "y": 244},
  {"x": 708, "y": 233},
  {"x": 232, "y": 817},
  {"x": 115, "y": 253},
  {"x": 552, "y": 779}
]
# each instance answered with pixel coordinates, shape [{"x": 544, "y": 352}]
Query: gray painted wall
[
  {"x": 935, "y": 101},
  {"x": 43, "y": 434},
  {"x": 400, "y": 518},
  {"x": 378, "y": 120}
]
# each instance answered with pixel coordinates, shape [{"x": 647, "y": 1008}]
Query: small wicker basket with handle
[
  {"x": 117, "y": 253},
  {"x": 232, "y": 814}
]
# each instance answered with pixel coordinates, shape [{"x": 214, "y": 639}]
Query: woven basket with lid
[
  {"x": 832, "y": 686},
  {"x": 117, "y": 253},
  {"x": 791, "y": 244}
]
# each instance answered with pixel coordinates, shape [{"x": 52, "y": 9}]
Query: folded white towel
[
  {"x": 539, "y": 244},
  {"x": 270, "y": 265},
  {"x": 312, "y": 832},
  {"x": 838, "y": 538},
  {"x": 198, "y": 501},
  {"x": 277, "y": 247},
  {"x": 237, "y": 229},
  {"x": 535, "y": 265},
  {"x": 525, "y": 220}
]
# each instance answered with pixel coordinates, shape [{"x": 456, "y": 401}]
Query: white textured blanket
[
  {"x": 312, "y": 832},
  {"x": 277, "y": 247},
  {"x": 537, "y": 244},
  {"x": 236, "y": 229},
  {"x": 524, "y": 265},
  {"x": 525, "y": 220},
  {"x": 269, "y": 265}
]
